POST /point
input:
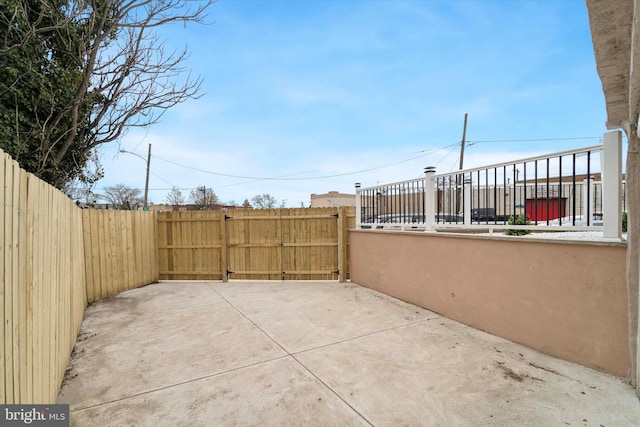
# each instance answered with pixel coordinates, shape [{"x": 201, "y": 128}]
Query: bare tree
[
  {"x": 80, "y": 192},
  {"x": 123, "y": 197},
  {"x": 175, "y": 197},
  {"x": 124, "y": 77},
  {"x": 204, "y": 196},
  {"x": 264, "y": 201}
]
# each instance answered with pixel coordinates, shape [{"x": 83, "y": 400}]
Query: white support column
[
  {"x": 358, "y": 206},
  {"x": 468, "y": 188},
  {"x": 612, "y": 185},
  {"x": 584, "y": 208},
  {"x": 429, "y": 197}
]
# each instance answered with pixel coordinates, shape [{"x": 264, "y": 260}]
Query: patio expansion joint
[
  {"x": 292, "y": 356},
  {"x": 404, "y": 325},
  {"x": 204, "y": 377},
  {"x": 335, "y": 393}
]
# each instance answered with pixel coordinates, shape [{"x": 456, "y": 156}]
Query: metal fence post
[
  {"x": 612, "y": 185},
  {"x": 429, "y": 197},
  {"x": 358, "y": 206},
  {"x": 467, "y": 200}
]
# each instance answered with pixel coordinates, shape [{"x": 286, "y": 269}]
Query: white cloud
[{"x": 305, "y": 89}]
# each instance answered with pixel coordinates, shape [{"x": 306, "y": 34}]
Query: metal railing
[{"x": 578, "y": 189}]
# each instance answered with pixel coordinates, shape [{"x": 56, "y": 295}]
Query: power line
[
  {"x": 288, "y": 177},
  {"x": 423, "y": 153},
  {"x": 537, "y": 140},
  {"x": 161, "y": 178}
]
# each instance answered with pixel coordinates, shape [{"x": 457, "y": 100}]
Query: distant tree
[
  {"x": 231, "y": 203},
  {"x": 122, "y": 197},
  {"x": 175, "y": 197},
  {"x": 264, "y": 201},
  {"x": 80, "y": 192},
  {"x": 246, "y": 203},
  {"x": 204, "y": 196}
]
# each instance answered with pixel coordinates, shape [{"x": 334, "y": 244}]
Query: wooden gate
[{"x": 271, "y": 244}]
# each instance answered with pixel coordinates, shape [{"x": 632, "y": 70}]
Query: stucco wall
[{"x": 566, "y": 299}]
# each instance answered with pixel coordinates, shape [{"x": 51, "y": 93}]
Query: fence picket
[
  {"x": 55, "y": 258},
  {"x": 7, "y": 318},
  {"x": 301, "y": 244}
]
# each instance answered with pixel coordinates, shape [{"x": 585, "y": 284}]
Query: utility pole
[
  {"x": 464, "y": 137},
  {"x": 204, "y": 197},
  {"x": 461, "y": 177},
  {"x": 146, "y": 182}
]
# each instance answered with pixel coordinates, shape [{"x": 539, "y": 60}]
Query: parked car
[
  {"x": 369, "y": 221},
  {"x": 487, "y": 215},
  {"x": 406, "y": 218},
  {"x": 449, "y": 217},
  {"x": 596, "y": 220},
  {"x": 409, "y": 218}
]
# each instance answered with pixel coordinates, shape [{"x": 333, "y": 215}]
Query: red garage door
[{"x": 545, "y": 209}]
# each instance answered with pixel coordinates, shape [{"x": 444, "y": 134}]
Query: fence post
[
  {"x": 358, "y": 206},
  {"x": 224, "y": 262},
  {"x": 467, "y": 200},
  {"x": 585, "y": 209},
  {"x": 429, "y": 197},
  {"x": 342, "y": 245},
  {"x": 611, "y": 185}
]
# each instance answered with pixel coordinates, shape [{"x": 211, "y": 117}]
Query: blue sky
[{"x": 314, "y": 92}]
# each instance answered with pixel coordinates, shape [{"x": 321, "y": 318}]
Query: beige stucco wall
[{"x": 566, "y": 299}]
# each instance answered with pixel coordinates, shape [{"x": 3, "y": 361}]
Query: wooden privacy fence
[
  {"x": 42, "y": 287},
  {"x": 54, "y": 259},
  {"x": 292, "y": 244},
  {"x": 120, "y": 251}
]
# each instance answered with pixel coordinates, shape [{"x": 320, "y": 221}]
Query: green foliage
[
  {"x": 40, "y": 70},
  {"x": 66, "y": 86},
  {"x": 520, "y": 220},
  {"x": 624, "y": 222}
]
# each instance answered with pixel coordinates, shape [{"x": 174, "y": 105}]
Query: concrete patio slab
[
  {"x": 275, "y": 393},
  {"x": 138, "y": 303},
  {"x": 316, "y": 353},
  {"x": 305, "y": 315},
  {"x": 139, "y": 354},
  {"x": 443, "y": 373}
]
